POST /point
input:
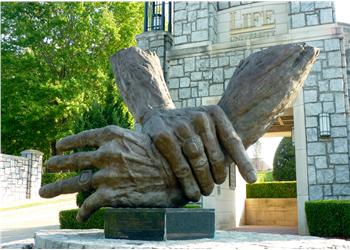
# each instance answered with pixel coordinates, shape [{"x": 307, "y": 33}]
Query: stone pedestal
[{"x": 159, "y": 224}]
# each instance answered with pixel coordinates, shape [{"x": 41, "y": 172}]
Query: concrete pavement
[
  {"x": 19, "y": 221},
  {"x": 94, "y": 238}
]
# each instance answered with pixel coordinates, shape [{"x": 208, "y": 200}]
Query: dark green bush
[
  {"x": 284, "y": 161},
  {"x": 81, "y": 196},
  {"x": 68, "y": 220},
  {"x": 280, "y": 189},
  {"x": 328, "y": 218},
  {"x": 52, "y": 177}
]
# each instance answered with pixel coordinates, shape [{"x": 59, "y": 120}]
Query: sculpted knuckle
[
  {"x": 163, "y": 136},
  {"x": 182, "y": 171},
  {"x": 215, "y": 109},
  {"x": 201, "y": 164},
  {"x": 201, "y": 119},
  {"x": 182, "y": 126}
]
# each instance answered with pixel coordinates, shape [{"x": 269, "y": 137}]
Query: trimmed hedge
[
  {"x": 81, "y": 196},
  {"x": 52, "y": 177},
  {"x": 68, "y": 220},
  {"x": 280, "y": 189},
  {"x": 192, "y": 205},
  {"x": 328, "y": 218}
]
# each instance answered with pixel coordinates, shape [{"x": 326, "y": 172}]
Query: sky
[{"x": 342, "y": 11}]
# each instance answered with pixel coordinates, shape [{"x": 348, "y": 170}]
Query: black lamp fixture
[{"x": 325, "y": 126}]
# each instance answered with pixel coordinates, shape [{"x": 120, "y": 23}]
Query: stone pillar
[
  {"x": 301, "y": 162},
  {"x": 34, "y": 172},
  {"x": 159, "y": 42}
]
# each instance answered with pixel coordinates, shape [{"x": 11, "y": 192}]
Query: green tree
[
  {"x": 284, "y": 161},
  {"x": 55, "y": 65},
  {"x": 111, "y": 111}
]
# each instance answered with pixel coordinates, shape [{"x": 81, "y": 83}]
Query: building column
[{"x": 301, "y": 162}]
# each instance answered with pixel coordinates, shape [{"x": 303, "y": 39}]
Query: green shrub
[
  {"x": 284, "y": 161},
  {"x": 192, "y": 205},
  {"x": 68, "y": 220},
  {"x": 81, "y": 196},
  {"x": 328, "y": 218},
  {"x": 280, "y": 189},
  {"x": 52, "y": 177},
  {"x": 265, "y": 176}
]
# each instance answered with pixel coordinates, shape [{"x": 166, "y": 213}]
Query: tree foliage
[
  {"x": 55, "y": 66},
  {"x": 284, "y": 161},
  {"x": 111, "y": 111}
]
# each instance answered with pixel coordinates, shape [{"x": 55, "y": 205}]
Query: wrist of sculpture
[{"x": 140, "y": 81}]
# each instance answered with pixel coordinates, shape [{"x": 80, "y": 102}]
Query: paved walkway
[
  {"x": 268, "y": 229},
  {"x": 94, "y": 238},
  {"x": 20, "y": 220}
]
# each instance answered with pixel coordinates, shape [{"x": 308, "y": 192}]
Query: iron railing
[{"x": 158, "y": 16}]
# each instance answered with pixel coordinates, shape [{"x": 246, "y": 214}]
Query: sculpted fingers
[
  {"x": 169, "y": 148},
  {"x": 81, "y": 160},
  {"x": 232, "y": 143},
  {"x": 194, "y": 152},
  {"x": 216, "y": 157},
  {"x": 89, "y": 138},
  {"x": 74, "y": 184},
  {"x": 95, "y": 201}
]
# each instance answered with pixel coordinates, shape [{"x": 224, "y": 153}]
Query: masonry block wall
[
  {"x": 20, "y": 176},
  {"x": 310, "y": 13},
  {"x": 325, "y": 91}
]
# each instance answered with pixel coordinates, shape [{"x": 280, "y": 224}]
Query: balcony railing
[{"x": 158, "y": 16}]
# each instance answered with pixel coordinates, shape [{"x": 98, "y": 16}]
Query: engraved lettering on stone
[{"x": 252, "y": 22}]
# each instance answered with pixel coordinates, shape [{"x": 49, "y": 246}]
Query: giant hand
[
  {"x": 194, "y": 141},
  {"x": 131, "y": 171}
]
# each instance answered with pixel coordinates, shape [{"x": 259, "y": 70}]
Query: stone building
[{"x": 205, "y": 43}]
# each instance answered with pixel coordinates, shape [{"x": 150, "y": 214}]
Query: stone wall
[
  {"x": 311, "y": 13},
  {"x": 20, "y": 176},
  {"x": 325, "y": 91},
  {"x": 225, "y": 4},
  {"x": 194, "y": 22},
  {"x": 201, "y": 79}
]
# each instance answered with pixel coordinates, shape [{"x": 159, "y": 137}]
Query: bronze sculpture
[{"x": 181, "y": 152}]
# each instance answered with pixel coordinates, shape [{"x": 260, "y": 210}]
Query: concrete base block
[{"x": 159, "y": 224}]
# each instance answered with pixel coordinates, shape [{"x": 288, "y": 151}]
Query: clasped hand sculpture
[{"x": 181, "y": 152}]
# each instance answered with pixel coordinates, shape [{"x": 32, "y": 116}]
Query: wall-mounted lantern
[{"x": 325, "y": 126}]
